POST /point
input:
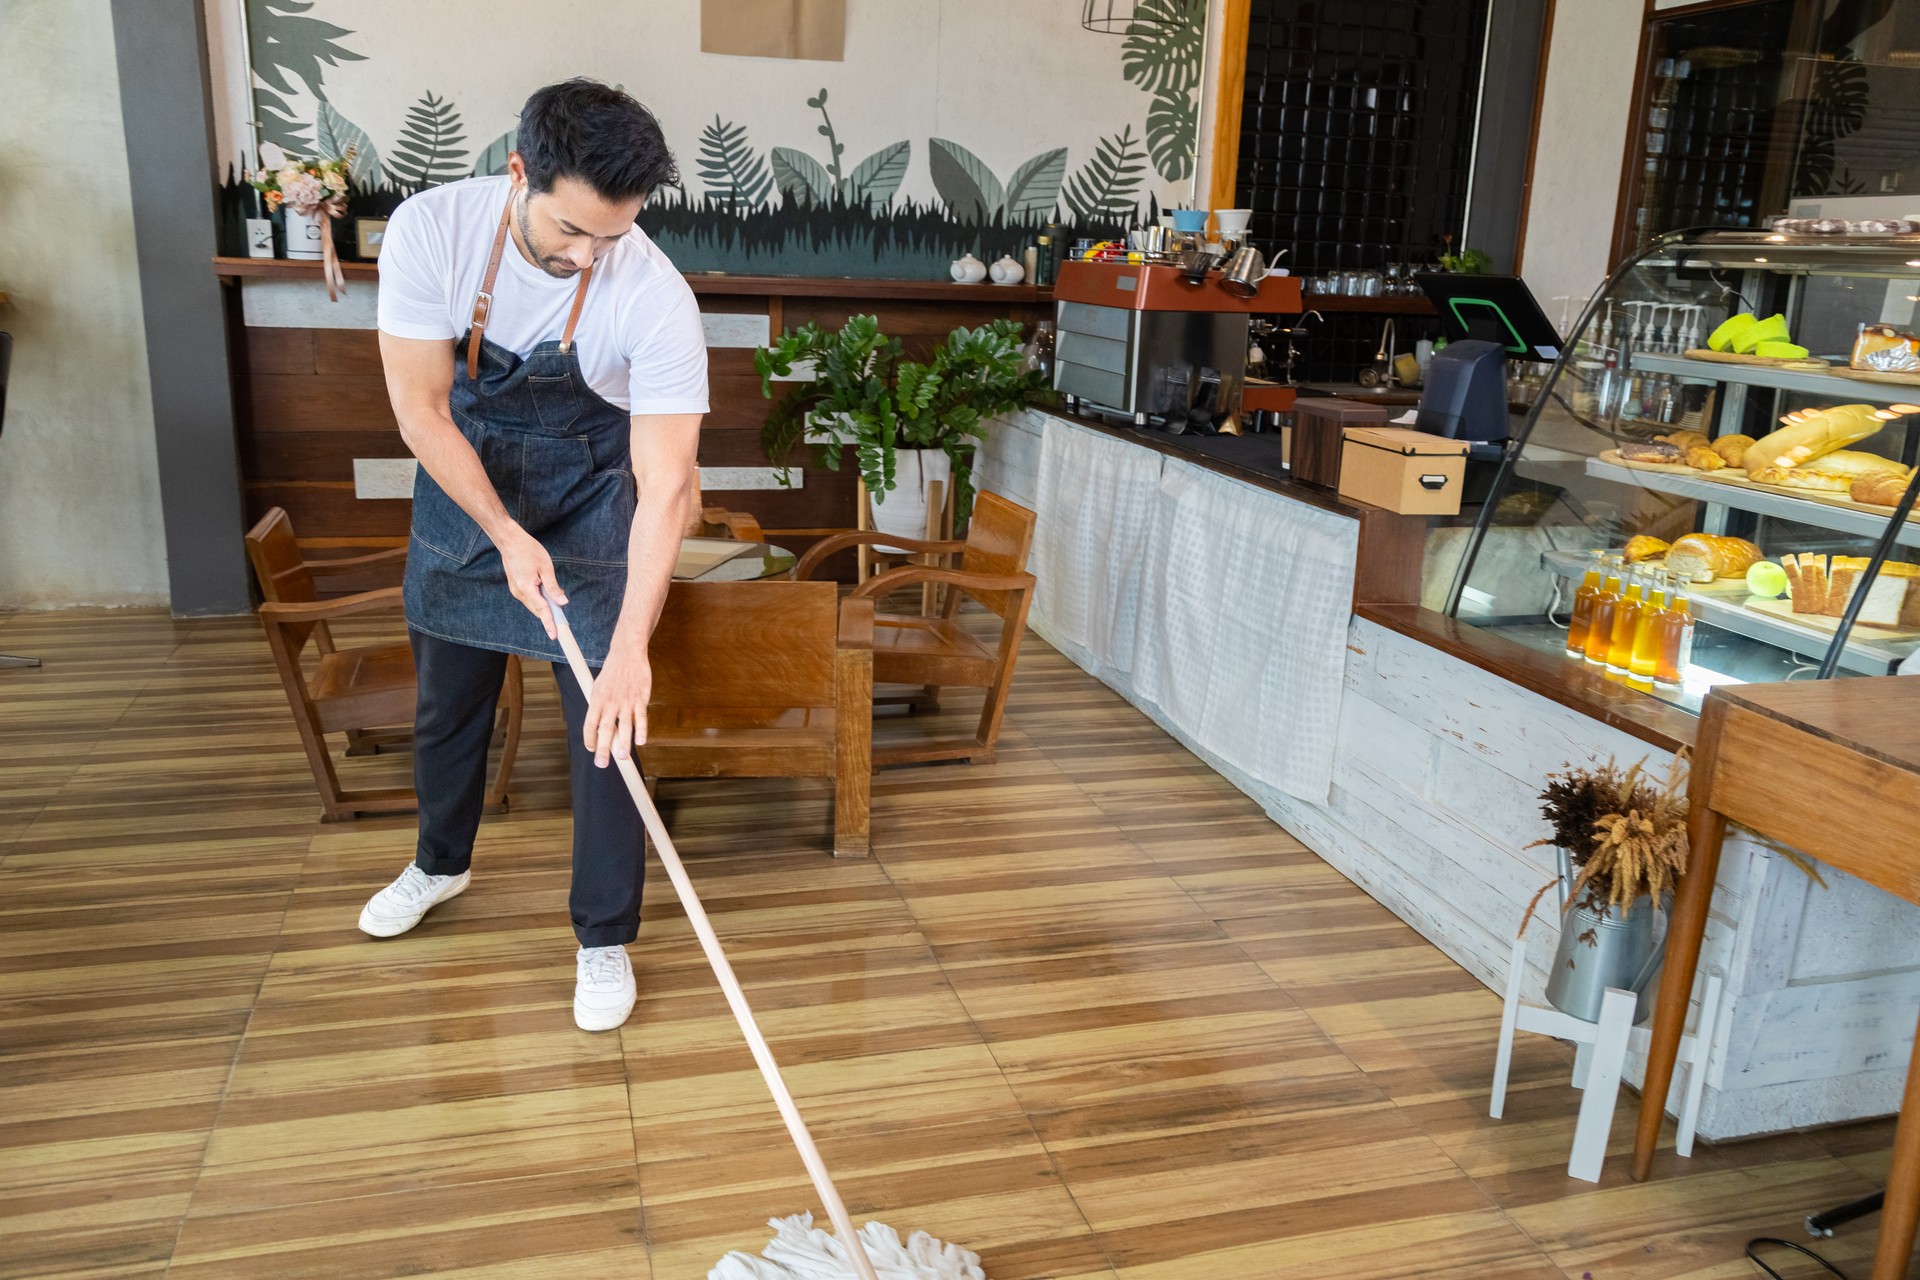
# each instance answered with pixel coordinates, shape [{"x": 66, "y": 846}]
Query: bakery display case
[{"x": 1705, "y": 491}]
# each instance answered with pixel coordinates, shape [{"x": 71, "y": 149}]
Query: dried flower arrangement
[{"x": 1624, "y": 832}]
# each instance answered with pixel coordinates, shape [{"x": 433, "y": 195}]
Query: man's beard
[{"x": 553, "y": 265}]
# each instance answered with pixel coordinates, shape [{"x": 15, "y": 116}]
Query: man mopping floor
[{"x": 556, "y": 441}]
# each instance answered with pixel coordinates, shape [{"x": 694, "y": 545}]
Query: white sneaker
[
  {"x": 400, "y": 906},
  {"x": 603, "y": 990}
]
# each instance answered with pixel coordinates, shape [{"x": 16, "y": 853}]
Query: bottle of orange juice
[
  {"x": 1606, "y": 601},
  {"x": 1644, "y": 659},
  {"x": 1676, "y": 637},
  {"x": 1583, "y": 607},
  {"x": 1626, "y": 616}
]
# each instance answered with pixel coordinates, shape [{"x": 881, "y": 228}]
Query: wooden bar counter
[{"x": 1831, "y": 768}]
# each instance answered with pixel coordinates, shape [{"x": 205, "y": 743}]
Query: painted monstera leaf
[
  {"x": 1035, "y": 187},
  {"x": 733, "y": 172},
  {"x": 800, "y": 177},
  {"x": 1161, "y": 54},
  {"x": 1107, "y": 187},
  {"x": 335, "y": 135},
  {"x": 429, "y": 151},
  {"x": 876, "y": 179},
  {"x": 493, "y": 157},
  {"x": 968, "y": 188},
  {"x": 287, "y": 45}
]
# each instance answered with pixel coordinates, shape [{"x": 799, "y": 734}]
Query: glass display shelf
[{"x": 1832, "y": 387}]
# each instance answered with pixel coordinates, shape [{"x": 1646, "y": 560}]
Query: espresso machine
[{"x": 1158, "y": 345}]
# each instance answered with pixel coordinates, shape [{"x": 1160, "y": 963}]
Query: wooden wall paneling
[
  {"x": 1230, "y": 91},
  {"x": 328, "y": 508},
  {"x": 309, "y": 402},
  {"x": 313, "y": 455},
  {"x": 347, "y": 351},
  {"x": 283, "y": 351}
]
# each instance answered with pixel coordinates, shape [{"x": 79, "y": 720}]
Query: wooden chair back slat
[
  {"x": 746, "y": 644},
  {"x": 999, "y": 540},
  {"x": 282, "y": 570}
]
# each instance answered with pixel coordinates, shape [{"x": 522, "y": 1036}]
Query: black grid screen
[{"x": 1356, "y": 141}]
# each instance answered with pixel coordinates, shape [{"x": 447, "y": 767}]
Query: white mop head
[{"x": 800, "y": 1251}]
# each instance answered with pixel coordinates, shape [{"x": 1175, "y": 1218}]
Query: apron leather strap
[{"x": 483, "y": 301}]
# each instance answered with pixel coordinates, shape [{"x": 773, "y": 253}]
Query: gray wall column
[
  {"x": 1516, "y": 32},
  {"x": 161, "y": 47}
]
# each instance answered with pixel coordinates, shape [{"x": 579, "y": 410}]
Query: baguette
[
  {"x": 1853, "y": 462},
  {"x": 1881, "y": 488},
  {"x": 1702, "y": 557},
  {"x": 1807, "y": 436}
]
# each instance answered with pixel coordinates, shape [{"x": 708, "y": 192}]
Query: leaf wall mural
[
  {"x": 875, "y": 180},
  {"x": 1034, "y": 189},
  {"x": 970, "y": 190},
  {"x": 801, "y": 178},
  {"x": 1161, "y": 54},
  {"x": 335, "y": 135},
  {"x": 732, "y": 170},
  {"x": 287, "y": 45},
  {"x": 493, "y": 157},
  {"x": 1107, "y": 186},
  {"x": 429, "y": 151}
]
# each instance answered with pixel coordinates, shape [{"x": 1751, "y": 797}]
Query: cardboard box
[{"x": 1413, "y": 472}]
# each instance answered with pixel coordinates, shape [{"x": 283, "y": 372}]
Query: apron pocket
[
  {"x": 440, "y": 524},
  {"x": 556, "y": 401}
]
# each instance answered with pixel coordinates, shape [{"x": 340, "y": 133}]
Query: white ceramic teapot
[
  {"x": 1006, "y": 271},
  {"x": 969, "y": 270}
]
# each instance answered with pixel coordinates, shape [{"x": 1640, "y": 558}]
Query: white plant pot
[
  {"x": 903, "y": 510},
  {"x": 303, "y": 236}
]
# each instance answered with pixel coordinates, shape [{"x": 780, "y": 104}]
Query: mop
[{"x": 798, "y": 1251}]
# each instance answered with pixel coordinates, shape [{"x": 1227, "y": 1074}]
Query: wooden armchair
[
  {"x": 366, "y": 691},
  {"x": 936, "y": 651},
  {"x": 718, "y": 522},
  {"x": 766, "y": 680}
]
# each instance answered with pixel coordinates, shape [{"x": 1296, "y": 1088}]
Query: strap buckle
[{"x": 482, "y": 308}]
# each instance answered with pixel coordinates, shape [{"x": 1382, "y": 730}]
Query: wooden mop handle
[{"x": 736, "y": 998}]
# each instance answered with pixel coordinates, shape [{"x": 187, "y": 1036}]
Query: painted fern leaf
[
  {"x": 1107, "y": 187},
  {"x": 429, "y": 151},
  {"x": 734, "y": 173}
]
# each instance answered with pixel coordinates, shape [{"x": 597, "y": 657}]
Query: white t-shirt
[{"x": 640, "y": 341}]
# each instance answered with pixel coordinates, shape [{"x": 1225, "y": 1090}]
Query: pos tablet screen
[{"x": 1496, "y": 309}]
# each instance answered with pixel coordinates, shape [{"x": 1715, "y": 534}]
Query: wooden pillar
[{"x": 1230, "y": 88}]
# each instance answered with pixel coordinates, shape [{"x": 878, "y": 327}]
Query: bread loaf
[
  {"x": 1702, "y": 557},
  {"x": 1893, "y": 600},
  {"x": 1853, "y": 462},
  {"x": 1806, "y": 436},
  {"x": 1806, "y": 581},
  {"x": 1881, "y": 488},
  {"x": 1733, "y": 448}
]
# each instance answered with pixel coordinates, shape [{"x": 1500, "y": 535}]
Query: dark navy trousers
[{"x": 453, "y": 725}]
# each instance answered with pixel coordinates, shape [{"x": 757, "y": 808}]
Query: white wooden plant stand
[{"x": 1600, "y": 1059}]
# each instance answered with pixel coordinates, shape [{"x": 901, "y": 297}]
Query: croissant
[
  {"x": 1882, "y": 488},
  {"x": 1733, "y": 448},
  {"x": 1644, "y": 546},
  {"x": 1704, "y": 459},
  {"x": 1684, "y": 439}
]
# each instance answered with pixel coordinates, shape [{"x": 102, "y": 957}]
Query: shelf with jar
[{"x": 1635, "y": 447}]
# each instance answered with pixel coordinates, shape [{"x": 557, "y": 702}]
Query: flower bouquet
[{"x": 314, "y": 190}]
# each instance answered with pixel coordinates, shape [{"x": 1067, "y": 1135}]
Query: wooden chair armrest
[
  {"x": 856, "y": 622},
  {"x": 908, "y": 575},
  {"x": 322, "y": 610},
  {"x": 392, "y": 555},
  {"x": 855, "y": 537},
  {"x": 738, "y": 523}
]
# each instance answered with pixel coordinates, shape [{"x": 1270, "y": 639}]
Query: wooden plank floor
[{"x": 1087, "y": 1011}]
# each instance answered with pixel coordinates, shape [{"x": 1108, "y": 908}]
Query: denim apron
[{"x": 558, "y": 456}]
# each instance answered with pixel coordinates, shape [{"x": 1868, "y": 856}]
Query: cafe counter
[{"x": 1276, "y": 630}]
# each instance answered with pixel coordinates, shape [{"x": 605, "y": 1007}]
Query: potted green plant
[{"x": 905, "y": 422}]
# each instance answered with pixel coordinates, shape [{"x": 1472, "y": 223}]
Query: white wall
[
  {"x": 1583, "y": 138},
  {"x": 79, "y": 489}
]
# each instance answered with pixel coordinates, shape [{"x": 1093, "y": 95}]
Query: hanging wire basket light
[{"x": 1117, "y": 17}]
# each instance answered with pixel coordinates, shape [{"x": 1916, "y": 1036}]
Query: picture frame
[{"x": 368, "y": 234}]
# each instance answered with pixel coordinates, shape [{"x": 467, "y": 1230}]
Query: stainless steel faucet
[
  {"x": 1386, "y": 353},
  {"x": 1293, "y": 352}
]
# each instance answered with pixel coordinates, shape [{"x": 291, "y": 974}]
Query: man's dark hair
[{"x": 597, "y": 134}]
